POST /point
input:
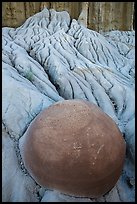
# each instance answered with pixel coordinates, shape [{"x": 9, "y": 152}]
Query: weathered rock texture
[
  {"x": 81, "y": 142},
  {"x": 52, "y": 58},
  {"x": 98, "y": 16}
]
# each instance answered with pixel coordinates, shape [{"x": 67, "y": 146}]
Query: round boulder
[{"x": 74, "y": 147}]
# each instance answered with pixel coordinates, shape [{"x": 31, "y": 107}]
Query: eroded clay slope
[{"x": 50, "y": 58}]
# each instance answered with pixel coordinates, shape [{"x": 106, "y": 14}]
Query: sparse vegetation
[{"x": 29, "y": 76}]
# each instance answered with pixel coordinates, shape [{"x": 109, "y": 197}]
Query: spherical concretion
[{"x": 74, "y": 147}]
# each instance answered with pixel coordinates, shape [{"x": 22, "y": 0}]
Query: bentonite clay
[{"x": 74, "y": 147}]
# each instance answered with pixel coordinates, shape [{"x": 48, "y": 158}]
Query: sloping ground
[{"x": 51, "y": 58}]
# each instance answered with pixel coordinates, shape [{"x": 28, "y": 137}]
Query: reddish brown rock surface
[{"x": 74, "y": 147}]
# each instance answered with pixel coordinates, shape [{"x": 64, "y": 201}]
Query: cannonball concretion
[{"x": 74, "y": 147}]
